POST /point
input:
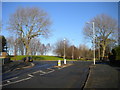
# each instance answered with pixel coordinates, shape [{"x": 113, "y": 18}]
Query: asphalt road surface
[{"x": 47, "y": 76}]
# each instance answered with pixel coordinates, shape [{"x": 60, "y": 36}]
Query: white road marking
[
  {"x": 42, "y": 71},
  {"x": 17, "y": 81},
  {"x": 30, "y": 75},
  {"x": 10, "y": 79},
  {"x": 50, "y": 71},
  {"x": 42, "y": 74},
  {"x": 36, "y": 72}
]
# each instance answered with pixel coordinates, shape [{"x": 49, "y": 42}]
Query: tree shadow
[{"x": 37, "y": 58}]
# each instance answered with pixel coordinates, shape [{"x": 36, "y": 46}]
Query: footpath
[{"x": 103, "y": 76}]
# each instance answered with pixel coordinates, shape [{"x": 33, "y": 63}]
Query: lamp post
[
  {"x": 94, "y": 39},
  {"x": 64, "y": 53},
  {"x": 72, "y": 52},
  {"x": 93, "y": 26}
]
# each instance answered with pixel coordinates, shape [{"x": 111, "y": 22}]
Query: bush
[{"x": 117, "y": 49}]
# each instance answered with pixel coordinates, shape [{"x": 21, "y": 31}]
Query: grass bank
[{"x": 41, "y": 57}]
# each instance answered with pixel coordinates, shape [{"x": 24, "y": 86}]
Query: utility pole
[
  {"x": 93, "y": 26},
  {"x": 94, "y": 39},
  {"x": 64, "y": 52},
  {"x": 72, "y": 52}
]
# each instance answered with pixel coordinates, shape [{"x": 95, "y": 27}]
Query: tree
[
  {"x": 47, "y": 48},
  {"x": 29, "y": 23},
  {"x": 13, "y": 44},
  {"x": 3, "y": 44},
  {"x": 117, "y": 50},
  {"x": 42, "y": 49},
  {"x": 35, "y": 46},
  {"x": 20, "y": 47},
  {"x": 84, "y": 51},
  {"x": 59, "y": 48},
  {"x": 105, "y": 30}
]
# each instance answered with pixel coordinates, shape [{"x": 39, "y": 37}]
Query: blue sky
[{"x": 68, "y": 18}]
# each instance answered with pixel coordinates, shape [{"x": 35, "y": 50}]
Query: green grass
[
  {"x": 17, "y": 57},
  {"x": 41, "y": 57}
]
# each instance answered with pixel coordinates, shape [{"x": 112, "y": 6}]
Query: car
[{"x": 29, "y": 59}]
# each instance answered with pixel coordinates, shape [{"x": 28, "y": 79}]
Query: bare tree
[
  {"x": 35, "y": 46},
  {"x": 105, "y": 30},
  {"x": 84, "y": 51},
  {"x": 47, "y": 48},
  {"x": 59, "y": 47},
  {"x": 29, "y": 23},
  {"x": 12, "y": 44},
  {"x": 73, "y": 52},
  {"x": 42, "y": 49},
  {"x": 20, "y": 47}
]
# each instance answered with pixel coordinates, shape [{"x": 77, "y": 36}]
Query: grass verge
[{"x": 41, "y": 57}]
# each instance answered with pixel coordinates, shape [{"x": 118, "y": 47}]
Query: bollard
[
  {"x": 64, "y": 61},
  {"x": 59, "y": 62}
]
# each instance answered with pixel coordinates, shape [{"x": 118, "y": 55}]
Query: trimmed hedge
[{"x": 117, "y": 49}]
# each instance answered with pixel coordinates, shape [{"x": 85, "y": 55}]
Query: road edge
[
  {"x": 88, "y": 77},
  {"x": 32, "y": 65}
]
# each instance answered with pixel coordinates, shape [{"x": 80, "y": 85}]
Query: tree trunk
[
  {"x": 99, "y": 53},
  {"x": 103, "y": 52},
  {"x": 15, "y": 50},
  {"x": 27, "y": 52}
]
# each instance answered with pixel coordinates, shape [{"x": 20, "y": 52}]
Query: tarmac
[
  {"x": 103, "y": 76},
  {"x": 100, "y": 75},
  {"x": 16, "y": 65}
]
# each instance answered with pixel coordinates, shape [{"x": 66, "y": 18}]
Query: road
[{"x": 73, "y": 76}]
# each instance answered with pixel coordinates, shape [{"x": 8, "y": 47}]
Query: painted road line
[
  {"x": 30, "y": 75},
  {"x": 42, "y": 74},
  {"x": 36, "y": 72},
  {"x": 50, "y": 71},
  {"x": 17, "y": 81},
  {"x": 10, "y": 79},
  {"x": 42, "y": 71},
  {"x": 9, "y": 82}
]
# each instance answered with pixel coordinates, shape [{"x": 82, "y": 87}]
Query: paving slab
[{"x": 103, "y": 76}]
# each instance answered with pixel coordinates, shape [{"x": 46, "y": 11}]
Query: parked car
[{"x": 27, "y": 60}]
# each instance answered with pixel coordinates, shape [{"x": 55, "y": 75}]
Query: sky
[{"x": 68, "y": 18}]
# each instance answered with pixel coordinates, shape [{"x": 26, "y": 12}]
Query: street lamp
[
  {"x": 93, "y": 25},
  {"x": 72, "y": 52},
  {"x": 64, "y": 53}
]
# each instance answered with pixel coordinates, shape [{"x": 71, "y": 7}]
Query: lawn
[{"x": 41, "y": 57}]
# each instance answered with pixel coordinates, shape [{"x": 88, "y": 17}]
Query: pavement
[{"x": 103, "y": 76}]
